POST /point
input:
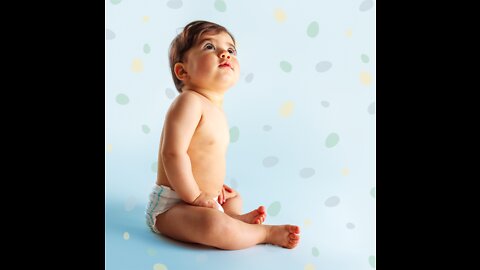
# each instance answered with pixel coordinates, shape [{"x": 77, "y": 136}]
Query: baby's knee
[{"x": 215, "y": 224}]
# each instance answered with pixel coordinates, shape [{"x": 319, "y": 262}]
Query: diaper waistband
[{"x": 165, "y": 191}]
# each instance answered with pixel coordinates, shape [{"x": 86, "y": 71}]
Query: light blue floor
[{"x": 324, "y": 245}]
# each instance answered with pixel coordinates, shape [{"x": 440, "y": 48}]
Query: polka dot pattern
[
  {"x": 309, "y": 266},
  {"x": 170, "y": 93},
  {"x": 323, "y": 66},
  {"x": 220, "y": 5},
  {"x": 159, "y": 266},
  {"x": 365, "y": 58},
  {"x": 366, "y": 5},
  {"x": 109, "y": 34},
  {"x": 280, "y": 15},
  {"x": 122, "y": 99},
  {"x": 371, "y": 108},
  {"x": 371, "y": 261},
  {"x": 332, "y": 140},
  {"x": 137, "y": 65},
  {"x": 145, "y": 129},
  {"x": 315, "y": 252},
  {"x": 285, "y": 66},
  {"x": 312, "y": 29},
  {"x": 332, "y": 201},
  {"x": 267, "y": 128},
  {"x": 307, "y": 172},
  {"x": 270, "y": 161},
  {"x": 174, "y": 4},
  {"x": 365, "y": 78},
  {"x": 249, "y": 78},
  {"x": 274, "y": 209},
  {"x": 234, "y": 134},
  {"x": 286, "y": 109},
  {"x": 146, "y": 48},
  {"x": 154, "y": 167}
]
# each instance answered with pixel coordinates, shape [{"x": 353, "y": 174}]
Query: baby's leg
[
  {"x": 233, "y": 207},
  {"x": 213, "y": 228}
]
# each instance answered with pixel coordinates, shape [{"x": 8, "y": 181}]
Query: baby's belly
[{"x": 209, "y": 172}]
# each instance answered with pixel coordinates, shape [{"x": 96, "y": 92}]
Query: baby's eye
[
  {"x": 232, "y": 51},
  {"x": 209, "y": 46}
]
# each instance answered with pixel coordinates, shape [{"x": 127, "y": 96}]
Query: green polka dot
[
  {"x": 315, "y": 252},
  {"x": 372, "y": 192},
  {"x": 151, "y": 252},
  {"x": 274, "y": 209},
  {"x": 285, "y": 66},
  {"x": 371, "y": 261},
  {"x": 146, "y": 48},
  {"x": 122, "y": 99},
  {"x": 115, "y": 2},
  {"x": 234, "y": 134},
  {"x": 332, "y": 140},
  {"x": 145, "y": 129},
  {"x": 312, "y": 29},
  {"x": 154, "y": 166},
  {"x": 159, "y": 266},
  {"x": 365, "y": 58},
  {"x": 220, "y": 5}
]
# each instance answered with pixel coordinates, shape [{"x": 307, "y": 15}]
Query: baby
[{"x": 189, "y": 201}]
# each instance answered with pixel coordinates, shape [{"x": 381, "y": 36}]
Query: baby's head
[{"x": 190, "y": 36}]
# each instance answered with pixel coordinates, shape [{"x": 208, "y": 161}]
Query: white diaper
[{"x": 162, "y": 198}]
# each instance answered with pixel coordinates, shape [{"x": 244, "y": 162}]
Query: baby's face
[{"x": 212, "y": 63}]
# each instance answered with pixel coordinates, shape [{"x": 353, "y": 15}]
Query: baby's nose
[{"x": 225, "y": 55}]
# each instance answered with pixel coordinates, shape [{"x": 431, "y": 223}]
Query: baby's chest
[{"x": 213, "y": 130}]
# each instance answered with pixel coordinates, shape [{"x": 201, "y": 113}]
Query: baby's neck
[{"x": 215, "y": 98}]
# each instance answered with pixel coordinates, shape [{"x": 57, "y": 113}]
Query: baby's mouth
[{"x": 225, "y": 65}]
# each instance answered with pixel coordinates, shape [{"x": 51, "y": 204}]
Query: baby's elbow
[{"x": 169, "y": 155}]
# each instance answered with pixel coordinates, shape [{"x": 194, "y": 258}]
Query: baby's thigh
[{"x": 188, "y": 223}]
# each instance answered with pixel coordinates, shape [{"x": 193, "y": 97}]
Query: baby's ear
[{"x": 180, "y": 71}]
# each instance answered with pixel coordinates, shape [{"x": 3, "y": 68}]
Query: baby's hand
[
  {"x": 226, "y": 193},
  {"x": 205, "y": 200}
]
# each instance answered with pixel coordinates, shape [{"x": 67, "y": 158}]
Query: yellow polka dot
[
  {"x": 137, "y": 65},
  {"x": 307, "y": 222},
  {"x": 365, "y": 78},
  {"x": 159, "y": 266},
  {"x": 146, "y": 18},
  {"x": 348, "y": 33},
  {"x": 309, "y": 266},
  {"x": 109, "y": 148},
  {"x": 345, "y": 171},
  {"x": 286, "y": 109},
  {"x": 280, "y": 15},
  {"x": 126, "y": 235}
]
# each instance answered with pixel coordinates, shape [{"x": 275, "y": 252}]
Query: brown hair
[{"x": 186, "y": 40}]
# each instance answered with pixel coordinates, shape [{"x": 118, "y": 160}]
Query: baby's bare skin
[{"x": 192, "y": 157}]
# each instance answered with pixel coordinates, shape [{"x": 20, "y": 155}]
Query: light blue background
[{"x": 339, "y": 100}]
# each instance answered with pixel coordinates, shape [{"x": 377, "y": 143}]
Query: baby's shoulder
[{"x": 189, "y": 97}]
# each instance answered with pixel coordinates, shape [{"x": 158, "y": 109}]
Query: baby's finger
[
  {"x": 220, "y": 197},
  {"x": 229, "y": 189}
]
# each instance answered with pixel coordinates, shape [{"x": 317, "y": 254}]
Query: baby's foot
[
  {"x": 286, "y": 236},
  {"x": 256, "y": 216}
]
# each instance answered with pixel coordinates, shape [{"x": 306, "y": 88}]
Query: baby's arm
[{"x": 180, "y": 124}]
